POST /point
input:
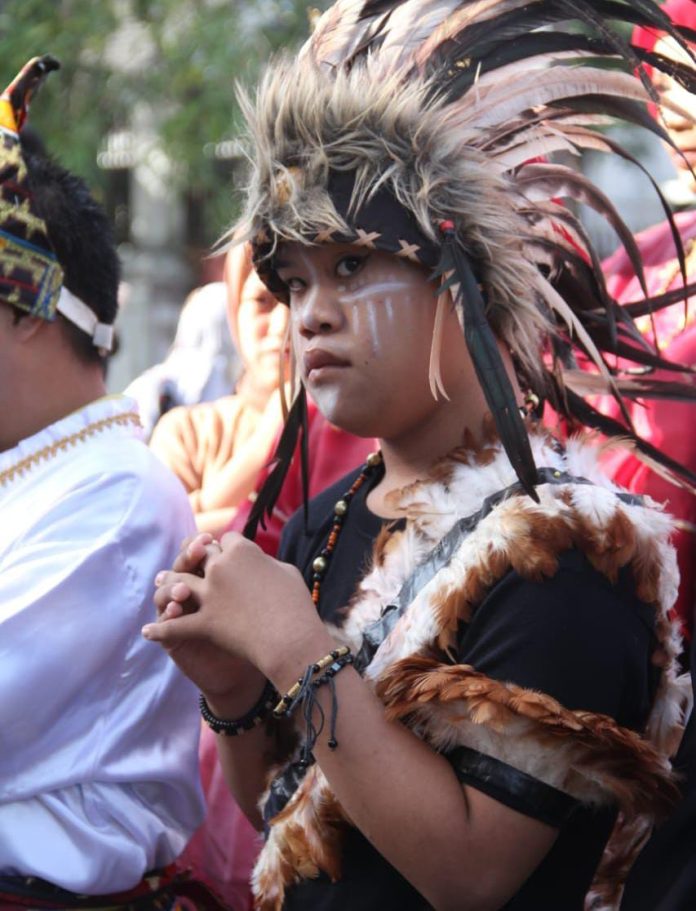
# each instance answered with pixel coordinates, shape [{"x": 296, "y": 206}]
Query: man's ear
[{"x": 26, "y": 327}]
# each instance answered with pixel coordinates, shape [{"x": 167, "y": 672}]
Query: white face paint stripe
[
  {"x": 389, "y": 308},
  {"x": 369, "y": 291},
  {"x": 372, "y": 318}
]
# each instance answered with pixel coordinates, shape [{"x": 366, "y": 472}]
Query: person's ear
[{"x": 27, "y": 327}]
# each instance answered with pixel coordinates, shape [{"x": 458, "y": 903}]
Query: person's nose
[{"x": 319, "y": 312}]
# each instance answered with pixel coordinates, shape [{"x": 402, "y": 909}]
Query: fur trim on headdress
[{"x": 583, "y": 754}]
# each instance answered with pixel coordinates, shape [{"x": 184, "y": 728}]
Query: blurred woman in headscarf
[{"x": 218, "y": 448}]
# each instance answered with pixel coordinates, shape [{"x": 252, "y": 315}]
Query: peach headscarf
[{"x": 238, "y": 268}]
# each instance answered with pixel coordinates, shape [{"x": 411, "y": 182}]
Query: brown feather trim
[
  {"x": 533, "y": 549},
  {"x": 306, "y": 839},
  {"x": 479, "y": 450},
  {"x": 628, "y": 768},
  {"x": 623, "y": 847},
  {"x": 381, "y": 546}
]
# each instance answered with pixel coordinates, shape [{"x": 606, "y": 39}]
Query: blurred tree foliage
[{"x": 180, "y": 57}]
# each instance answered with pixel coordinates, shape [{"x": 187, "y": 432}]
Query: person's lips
[{"x": 317, "y": 358}]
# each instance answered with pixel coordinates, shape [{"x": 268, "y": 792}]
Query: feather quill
[{"x": 482, "y": 345}]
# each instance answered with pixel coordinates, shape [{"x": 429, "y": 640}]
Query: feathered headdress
[
  {"x": 31, "y": 278},
  {"x": 427, "y": 128}
]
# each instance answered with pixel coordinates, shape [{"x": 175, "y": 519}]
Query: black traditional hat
[{"x": 31, "y": 278}]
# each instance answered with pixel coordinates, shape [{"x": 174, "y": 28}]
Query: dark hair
[{"x": 82, "y": 239}]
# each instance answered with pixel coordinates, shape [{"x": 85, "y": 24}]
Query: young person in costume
[
  {"x": 98, "y": 757},
  {"x": 470, "y": 635}
]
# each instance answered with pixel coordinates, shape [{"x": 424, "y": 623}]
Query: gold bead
[
  {"x": 319, "y": 564},
  {"x": 374, "y": 458},
  {"x": 341, "y": 508}
]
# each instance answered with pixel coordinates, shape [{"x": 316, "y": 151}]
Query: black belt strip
[{"x": 512, "y": 787}]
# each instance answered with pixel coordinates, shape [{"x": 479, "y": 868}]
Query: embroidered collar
[{"x": 104, "y": 414}]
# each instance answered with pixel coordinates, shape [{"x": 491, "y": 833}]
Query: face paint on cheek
[
  {"x": 356, "y": 320},
  {"x": 372, "y": 290},
  {"x": 365, "y": 300},
  {"x": 372, "y": 312}
]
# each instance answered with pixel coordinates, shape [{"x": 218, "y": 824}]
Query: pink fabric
[
  {"x": 681, "y": 12},
  {"x": 223, "y": 850},
  {"x": 332, "y": 453},
  {"x": 666, "y": 424}
]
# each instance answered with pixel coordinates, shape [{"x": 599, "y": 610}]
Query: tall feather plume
[
  {"x": 347, "y": 30},
  {"x": 488, "y": 363}
]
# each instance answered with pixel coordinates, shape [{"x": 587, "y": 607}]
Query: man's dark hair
[{"x": 82, "y": 239}]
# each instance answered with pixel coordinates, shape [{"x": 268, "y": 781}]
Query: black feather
[
  {"x": 642, "y": 307},
  {"x": 669, "y": 390},
  {"x": 580, "y": 410},
  {"x": 495, "y": 42},
  {"x": 680, "y": 72},
  {"x": 295, "y": 427},
  {"x": 455, "y": 270}
]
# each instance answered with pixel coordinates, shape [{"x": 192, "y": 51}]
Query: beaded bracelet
[
  {"x": 287, "y": 702},
  {"x": 304, "y": 693},
  {"x": 255, "y": 715}
]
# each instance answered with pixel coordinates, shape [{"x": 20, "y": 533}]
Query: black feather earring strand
[{"x": 455, "y": 269}]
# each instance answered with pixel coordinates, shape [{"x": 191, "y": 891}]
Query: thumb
[{"x": 175, "y": 630}]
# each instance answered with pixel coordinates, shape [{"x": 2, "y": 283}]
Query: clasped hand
[{"x": 231, "y": 599}]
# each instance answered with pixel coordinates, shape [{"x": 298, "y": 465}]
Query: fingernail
[
  {"x": 158, "y": 578},
  {"x": 146, "y": 631}
]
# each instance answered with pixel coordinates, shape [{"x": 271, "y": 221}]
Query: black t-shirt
[{"x": 575, "y": 637}]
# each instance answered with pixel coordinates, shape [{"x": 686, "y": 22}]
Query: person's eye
[
  {"x": 350, "y": 265},
  {"x": 294, "y": 284}
]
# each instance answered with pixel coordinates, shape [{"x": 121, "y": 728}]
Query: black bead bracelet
[{"x": 255, "y": 715}]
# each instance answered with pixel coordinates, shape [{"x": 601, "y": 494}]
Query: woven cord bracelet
[{"x": 304, "y": 694}]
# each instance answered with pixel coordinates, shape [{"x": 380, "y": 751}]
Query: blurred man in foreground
[{"x": 98, "y": 762}]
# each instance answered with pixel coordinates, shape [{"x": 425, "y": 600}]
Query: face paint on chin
[{"x": 326, "y": 398}]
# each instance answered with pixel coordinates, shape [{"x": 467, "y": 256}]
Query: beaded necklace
[{"x": 321, "y": 562}]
